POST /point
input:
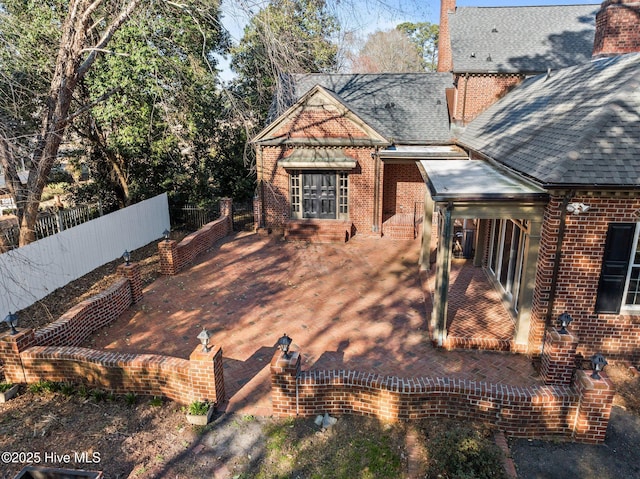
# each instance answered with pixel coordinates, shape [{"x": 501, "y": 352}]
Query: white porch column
[{"x": 443, "y": 269}]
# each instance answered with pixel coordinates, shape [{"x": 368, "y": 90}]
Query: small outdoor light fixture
[
  {"x": 283, "y": 343},
  {"x": 12, "y": 321},
  {"x": 598, "y": 362},
  {"x": 204, "y": 339},
  {"x": 126, "y": 256},
  {"x": 165, "y": 233},
  {"x": 563, "y": 320},
  {"x": 577, "y": 208}
]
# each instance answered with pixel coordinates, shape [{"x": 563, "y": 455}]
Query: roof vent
[
  {"x": 390, "y": 105},
  {"x": 494, "y": 30},
  {"x": 473, "y": 54},
  {"x": 438, "y": 102},
  {"x": 489, "y": 58}
]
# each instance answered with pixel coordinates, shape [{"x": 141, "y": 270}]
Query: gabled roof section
[
  {"x": 312, "y": 121},
  {"x": 521, "y": 39},
  {"x": 405, "y": 108},
  {"x": 578, "y": 127}
]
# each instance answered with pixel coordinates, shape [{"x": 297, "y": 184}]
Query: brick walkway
[{"x": 357, "y": 305}]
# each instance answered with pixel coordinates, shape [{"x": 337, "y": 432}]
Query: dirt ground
[{"x": 151, "y": 439}]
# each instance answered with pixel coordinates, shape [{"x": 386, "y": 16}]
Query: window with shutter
[{"x": 616, "y": 270}]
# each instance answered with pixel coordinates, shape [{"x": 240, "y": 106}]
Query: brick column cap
[
  {"x": 18, "y": 339},
  {"x": 279, "y": 361},
  {"x": 164, "y": 244},
  {"x": 199, "y": 355},
  {"x": 555, "y": 335},
  {"x": 583, "y": 377}
]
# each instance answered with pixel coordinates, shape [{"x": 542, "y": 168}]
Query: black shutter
[{"x": 615, "y": 264}]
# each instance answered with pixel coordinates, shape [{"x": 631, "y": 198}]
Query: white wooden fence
[{"x": 30, "y": 273}]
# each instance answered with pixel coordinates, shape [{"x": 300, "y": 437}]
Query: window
[
  {"x": 619, "y": 284},
  {"x": 319, "y": 194},
  {"x": 507, "y": 253}
]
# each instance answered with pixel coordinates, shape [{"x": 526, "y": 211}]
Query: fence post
[
  {"x": 11, "y": 345},
  {"x": 284, "y": 374},
  {"x": 60, "y": 220}
]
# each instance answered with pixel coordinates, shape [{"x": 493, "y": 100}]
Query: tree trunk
[{"x": 75, "y": 57}]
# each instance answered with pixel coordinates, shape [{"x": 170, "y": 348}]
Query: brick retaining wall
[
  {"x": 580, "y": 412},
  {"x": 174, "y": 256},
  {"x": 51, "y": 353},
  {"x": 182, "y": 380}
]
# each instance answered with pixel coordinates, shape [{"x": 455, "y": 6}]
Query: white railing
[{"x": 30, "y": 273}]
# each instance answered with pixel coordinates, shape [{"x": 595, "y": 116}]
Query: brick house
[{"x": 541, "y": 190}]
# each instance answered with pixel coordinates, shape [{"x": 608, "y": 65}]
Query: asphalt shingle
[
  {"x": 405, "y": 108},
  {"x": 580, "y": 126},
  {"x": 521, "y": 39}
]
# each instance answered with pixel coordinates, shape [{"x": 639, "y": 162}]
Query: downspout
[
  {"x": 376, "y": 192},
  {"x": 263, "y": 217},
  {"x": 556, "y": 263},
  {"x": 464, "y": 98}
]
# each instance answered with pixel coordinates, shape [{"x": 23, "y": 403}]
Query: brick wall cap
[
  {"x": 587, "y": 382},
  {"x": 555, "y": 335}
]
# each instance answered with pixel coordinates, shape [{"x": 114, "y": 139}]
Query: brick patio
[{"x": 358, "y": 305}]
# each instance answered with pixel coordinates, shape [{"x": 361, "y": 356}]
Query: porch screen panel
[
  {"x": 506, "y": 253},
  {"x": 615, "y": 265},
  {"x": 495, "y": 244}
]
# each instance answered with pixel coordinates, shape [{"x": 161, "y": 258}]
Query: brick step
[
  {"x": 318, "y": 231},
  {"x": 483, "y": 344}
]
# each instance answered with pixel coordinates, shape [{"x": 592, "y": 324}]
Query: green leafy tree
[
  {"x": 425, "y": 36},
  {"x": 287, "y": 36},
  {"x": 32, "y": 129},
  {"x": 155, "y": 132}
]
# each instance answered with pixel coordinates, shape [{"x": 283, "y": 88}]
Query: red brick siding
[
  {"x": 577, "y": 281},
  {"x": 477, "y": 92},
  {"x": 320, "y": 122},
  {"x": 541, "y": 411},
  {"x": 403, "y": 187},
  {"x": 617, "y": 28},
  {"x": 276, "y": 195}
]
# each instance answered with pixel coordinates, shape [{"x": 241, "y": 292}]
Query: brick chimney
[
  {"x": 617, "y": 28},
  {"x": 445, "y": 60}
]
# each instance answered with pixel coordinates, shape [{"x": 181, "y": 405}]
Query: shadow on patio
[{"x": 356, "y": 306}]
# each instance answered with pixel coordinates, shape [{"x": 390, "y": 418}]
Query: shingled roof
[
  {"x": 406, "y": 108},
  {"x": 580, "y": 126},
  {"x": 521, "y": 39}
]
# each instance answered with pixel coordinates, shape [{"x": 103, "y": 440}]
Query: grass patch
[
  {"x": 198, "y": 408},
  {"x": 4, "y": 387},
  {"x": 298, "y": 448},
  {"x": 43, "y": 387}
]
